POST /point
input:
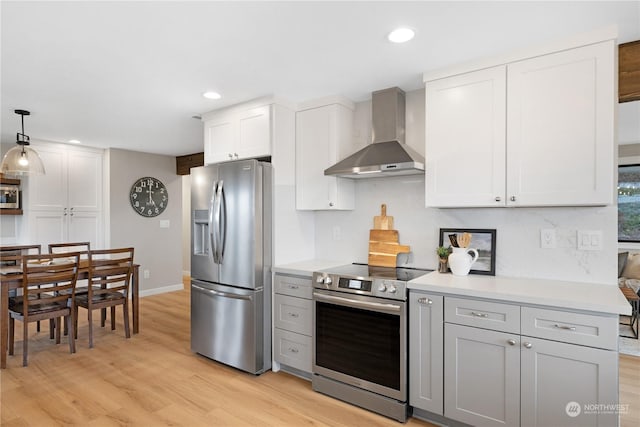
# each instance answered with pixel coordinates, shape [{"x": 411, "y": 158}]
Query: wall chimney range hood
[{"x": 388, "y": 155}]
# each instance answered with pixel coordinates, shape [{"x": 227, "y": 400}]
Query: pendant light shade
[{"x": 22, "y": 159}]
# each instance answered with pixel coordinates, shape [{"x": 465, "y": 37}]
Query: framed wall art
[{"x": 482, "y": 240}]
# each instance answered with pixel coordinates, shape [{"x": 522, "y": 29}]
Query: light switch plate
[
  {"x": 589, "y": 240},
  {"x": 164, "y": 223}
]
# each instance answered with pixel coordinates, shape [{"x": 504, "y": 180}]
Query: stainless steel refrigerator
[{"x": 231, "y": 263}]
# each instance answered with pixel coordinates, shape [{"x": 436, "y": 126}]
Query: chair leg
[
  {"x": 113, "y": 317},
  {"x": 25, "y": 342},
  {"x": 69, "y": 324},
  {"x": 103, "y": 317},
  {"x": 51, "y": 328},
  {"x": 38, "y": 326},
  {"x": 125, "y": 312},
  {"x": 58, "y": 328},
  {"x": 75, "y": 321},
  {"x": 90, "y": 317},
  {"x": 12, "y": 324}
]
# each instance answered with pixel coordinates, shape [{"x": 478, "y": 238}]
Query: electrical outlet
[
  {"x": 548, "y": 238},
  {"x": 336, "y": 232},
  {"x": 145, "y": 274}
]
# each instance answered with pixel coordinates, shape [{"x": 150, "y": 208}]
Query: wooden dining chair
[
  {"x": 44, "y": 278},
  {"x": 110, "y": 273},
  {"x": 12, "y": 256}
]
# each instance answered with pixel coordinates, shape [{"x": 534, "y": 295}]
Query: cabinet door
[
  {"x": 560, "y": 381},
  {"x": 465, "y": 139},
  {"x": 320, "y": 132},
  {"x": 85, "y": 226},
  {"x": 47, "y": 226},
  {"x": 84, "y": 181},
  {"x": 254, "y": 133},
  {"x": 219, "y": 140},
  {"x": 482, "y": 376},
  {"x": 425, "y": 349},
  {"x": 560, "y": 128},
  {"x": 49, "y": 192}
]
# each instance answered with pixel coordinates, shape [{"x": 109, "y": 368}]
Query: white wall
[
  {"x": 518, "y": 251},
  {"x": 158, "y": 250}
]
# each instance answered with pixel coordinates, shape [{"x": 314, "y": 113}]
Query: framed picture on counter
[{"x": 482, "y": 240}]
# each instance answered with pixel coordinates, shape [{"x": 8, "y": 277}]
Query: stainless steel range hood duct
[{"x": 388, "y": 155}]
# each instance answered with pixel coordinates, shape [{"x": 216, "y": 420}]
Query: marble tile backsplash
[{"x": 344, "y": 235}]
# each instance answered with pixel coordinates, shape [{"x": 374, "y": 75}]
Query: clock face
[{"x": 149, "y": 197}]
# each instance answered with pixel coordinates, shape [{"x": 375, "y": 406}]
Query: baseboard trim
[{"x": 162, "y": 290}]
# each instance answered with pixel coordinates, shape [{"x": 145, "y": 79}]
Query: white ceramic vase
[{"x": 461, "y": 260}]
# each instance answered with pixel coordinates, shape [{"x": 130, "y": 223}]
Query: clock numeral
[
  {"x": 162, "y": 205},
  {"x": 157, "y": 211},
  {"x": 149, "y": 212},
  {"x": 136, "y": 204},
  {"x": 139, "y": 189},
  {"x": 134, "y": 196},
  {"x": 141, "y": 209}
]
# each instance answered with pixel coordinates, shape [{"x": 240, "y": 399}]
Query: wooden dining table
[{"x": 11, "y": 278}]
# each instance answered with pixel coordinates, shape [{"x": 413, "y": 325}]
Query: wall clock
[{"x": 149, "y": 197}]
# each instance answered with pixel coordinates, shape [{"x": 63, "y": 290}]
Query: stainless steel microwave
[{"x": 9, "y": 197}]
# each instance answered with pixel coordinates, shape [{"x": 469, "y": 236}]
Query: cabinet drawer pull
[
  {"x": 513, "y": 198},
  {"x": 293, "y": 350},
  {"x": 498, "y": 198},
  {"x": 473, "y": 313},
  {"x": 512, "y": 342},
  {"x": 527, "y": 345},
  {"x": 425, "y": 301},
  {"x": 294, "y": 315},
  {"x": 293, "y": 286},
  {"x": 568, "y": 328}
]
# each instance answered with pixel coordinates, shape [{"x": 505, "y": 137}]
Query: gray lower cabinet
[
  {"x": 425, "y": 350},
  {"x": 292, "y": 315},
  {"x": 482, "y": 371},
  {"x": 507, "y": 364}
]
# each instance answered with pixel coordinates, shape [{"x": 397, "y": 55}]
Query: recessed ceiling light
[
  {"x": 212, "y": 95},
  {"x": 401, "y": 35},
  {"x": 74, "y": 141}
]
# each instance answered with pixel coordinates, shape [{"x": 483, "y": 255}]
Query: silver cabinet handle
[
  {"x": 512, "y": 198},
  {"x": 223, "y": 294},
  {"x": 230, "y": 156},
  {"x": 330, "y": 204},
  {"x": 294, "y": 315},
  {"x": 235, "y": 154},
  {"x": 498, "y": 198},
  {"x": 473, "y": 313},
  {"x": 565, "y": 327},
  {"x": 294, "y": 350},
  {"x": 512, "y": 342},
  {"x": 425, "y": 301},
  {"x": 65, "y": 211},
  {"x": 293, "y": 286},
  {"x": 527, "y": 345}
]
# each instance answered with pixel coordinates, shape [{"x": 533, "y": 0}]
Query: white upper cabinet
[
  {"x": 323, "y": 137},
  {"x": 238, "y": 134},
  {"x": 465, "y": 139},
  {"x": 534, "y": 132}
]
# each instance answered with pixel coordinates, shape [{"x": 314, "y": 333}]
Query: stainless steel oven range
[{"x": 360, "y": 336}]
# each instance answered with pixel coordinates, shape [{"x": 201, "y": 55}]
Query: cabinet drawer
[
  {"x": 294, "y": 286},
  {"x": 482, "y": 314},
  {"x": 292, "y": 349},
  {"x": 577, "y": 328},
  {"x": 293, "y": 314}
]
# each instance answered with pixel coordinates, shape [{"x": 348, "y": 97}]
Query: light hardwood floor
[{"x": 153, "y": 379}]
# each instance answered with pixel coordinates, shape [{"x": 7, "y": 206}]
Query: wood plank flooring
[{"x": 153, "y": 379}]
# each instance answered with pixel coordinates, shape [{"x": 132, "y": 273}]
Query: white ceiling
[{"x": 130, "y": 74}]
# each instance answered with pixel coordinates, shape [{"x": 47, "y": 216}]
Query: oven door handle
[{"x": 374, "y": 306}]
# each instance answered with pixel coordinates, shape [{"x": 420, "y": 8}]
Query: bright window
[{"x": 629, "y": 203}]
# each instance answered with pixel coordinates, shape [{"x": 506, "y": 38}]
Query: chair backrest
[
  {"x": 82, "y": 247},
  {"x": 57, "y": 272},
  {"x": 12, "y": 255},
  {"x": 110, "y": 270}
]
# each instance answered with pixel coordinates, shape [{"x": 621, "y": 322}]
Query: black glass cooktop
[{"x": 365, "y": 271}]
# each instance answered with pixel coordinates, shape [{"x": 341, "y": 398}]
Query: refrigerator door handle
[
  {"x": 223, "y": 294},
  {"x": 212, "y": 240},
  {"x": 222, "y": 230},
  {"x": 217, "y": 220}
]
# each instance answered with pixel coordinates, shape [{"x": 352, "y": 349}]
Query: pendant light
[{"x": 22, "y": 160}]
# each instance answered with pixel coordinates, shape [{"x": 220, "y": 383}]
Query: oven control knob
[
  {"x": 319, "y": 279},
  {"x": 392, "y": 289},
  {"x": 382, "y": 287},
  {"x": 327, "y": 280}
]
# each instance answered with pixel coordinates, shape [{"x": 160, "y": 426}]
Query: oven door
[{"x": 361, "y": 341}]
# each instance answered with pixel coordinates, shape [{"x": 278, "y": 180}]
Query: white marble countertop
[
  {"x": 307, "y": 267},
  {"x": 553, "y": 293}
]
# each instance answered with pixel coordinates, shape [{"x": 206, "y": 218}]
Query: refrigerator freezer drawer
[{"x": 227, "y": 325}]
